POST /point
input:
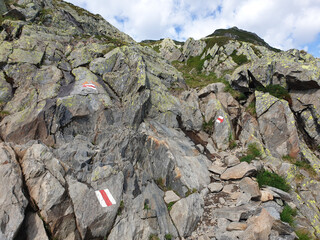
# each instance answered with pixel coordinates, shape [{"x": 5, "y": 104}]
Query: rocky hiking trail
[{"x": 192, "y": 140}]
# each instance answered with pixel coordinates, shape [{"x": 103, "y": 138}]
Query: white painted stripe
[
  {"x": 89, "y": 86},
  {"x": 110, "y": 196},
  {"x": 100, "y": 199}
]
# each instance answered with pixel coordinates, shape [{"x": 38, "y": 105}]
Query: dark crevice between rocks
[
  {"x": 301, "y": 127},
  {"x": 295, "y": 84},
  {"x": 195, "y": 138},
  {"x": 11, "y": 82},
  {"x": 109, "y": 89},
  {"x": 31, "y": 207},
  {"x": 253, "y": 82},
  {"x": 71, "y": 203},
  {"x": 69, "y": 18}
]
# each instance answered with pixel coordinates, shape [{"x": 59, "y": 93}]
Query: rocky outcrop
[
  {"x": 12, "y": 201},
  {"x": 85, "y": 109}
]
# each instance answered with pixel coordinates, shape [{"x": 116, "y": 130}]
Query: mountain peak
[{"x": 240, "y": 35}]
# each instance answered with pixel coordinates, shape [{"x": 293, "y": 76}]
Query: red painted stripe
[
  {"x": 89, "y": 85},
  {"x": 220, "y": 119},
  {"x": 105, "y": 197}
]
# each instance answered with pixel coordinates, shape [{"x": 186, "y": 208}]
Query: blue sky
[{"x": 284, "y": 24}]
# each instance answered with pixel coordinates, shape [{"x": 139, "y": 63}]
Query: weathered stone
[
  {"x": 232, "y": 161},
  {"x": 266, "y": 196},
  {"x": 89, "y": 214},
  {"x": 191, "y": 115},
  {"x": 282, "y": 228},
  {"x": 277, "y": 126},
  {"x": 217, "y": 169},
  {"x": 170, "y": 51},
  {"x": 234, "y": 214},
  {"x": 84, "y": 55},
  {"x": 5, "y": 89},
  {"x": 23, "y": 56},
  {"x": 251, "y": 187},
  {"x": 211, "y": 88},
  {"x": 243, "y": 199},
  {"x": 35, "y": 228},
  {"x": 237, "y": 226},
  {"x": 103, "y": 65},
  {"x": 170, "y": 196},
  {"x": 239, "y": 171},
  {"x": 193, "y": 47},
  {"x": 259, "y": 227},
  {"x": 5, "y": 51},
  {"x": 283, "y": 195},
  {"x": 12, "y": 200},
  {"x": 186, "y": 213}
]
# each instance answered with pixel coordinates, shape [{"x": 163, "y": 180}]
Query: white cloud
[{"x": 282, "y": 23}]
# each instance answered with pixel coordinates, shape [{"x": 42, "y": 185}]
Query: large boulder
[
  {"x": 277, "y": 125},
  {"x": 186, "y": 213},
  {"x": 46, "y": 184}
]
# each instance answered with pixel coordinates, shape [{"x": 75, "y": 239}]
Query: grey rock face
[
  {"x": 277, "y": 126},
  {"x": 12, "y": 200},
  {"x": 186, "y": 213}
]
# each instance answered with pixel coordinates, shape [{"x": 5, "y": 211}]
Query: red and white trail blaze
[
  {"x": 220, "y": 119},
  {"x": 105, "y": 198}
]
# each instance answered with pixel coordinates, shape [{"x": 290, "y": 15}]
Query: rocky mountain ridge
[{"x": 187, "y": 141}]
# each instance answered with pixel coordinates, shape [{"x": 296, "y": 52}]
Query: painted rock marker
[
  {"x": 89, "y": 85},
  {"x": 105, "y": 198},
  {"x": 219, "y": 119}
]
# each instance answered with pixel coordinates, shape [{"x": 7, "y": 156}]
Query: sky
[{"x": 283, "y": 24}]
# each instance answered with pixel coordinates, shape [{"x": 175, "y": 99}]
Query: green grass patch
[
  {"x": 277, "y": 91},
  {"x": 248, "y": 158},
  {"x": 168, "y": 236},
  {"x": 156, "y": 48},
  {"x": 208, "y": 126},
  {"x": 121, "y": 207},
  {"x": 161, "y": 184},
  {"x": 191, "y": 191},
  {"x": 301, "y": 165},
  {"x": 256, "y": 51},
  {"x": 239, "y": 59},
  {"x": 303, "y": 235},
  {"x": 252, "y": 109},
  {"x": 169, "y": 205},
  {"x": 266, "y": 178},
  {"x": 154, "y": 237},
  {"x": 219, "y": 40},
  {"x": 287, "y": 215},
  {"x": 252, "y": 153}
]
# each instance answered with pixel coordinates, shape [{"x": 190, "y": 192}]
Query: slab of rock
[
  {"x": 283, "y": 195},
  {"x": 89, "y": 213},
  {"x": 251, "y": 187},
  {"x": 217, "y": 169},
  {"x": 259, "y": 227},
  {"x": 282, "y": 228},
  {"x": 186, "y": 214},
  {"x": 34, "y": 227},
  {"x": 215, "y": 187},
  {"x": 12, "y": 200},
  {"x": 170, "y": 196},
  {"x": 234, "y": 214},
  {"x": 243, "y": 199},
  {"x": 239, "y": 171},
  {"x": 213, "y": 87},
  {"x": 277, "y": 125},
  {"x": 232, "y": 161},
  {"x": 237, "y": 226}
]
